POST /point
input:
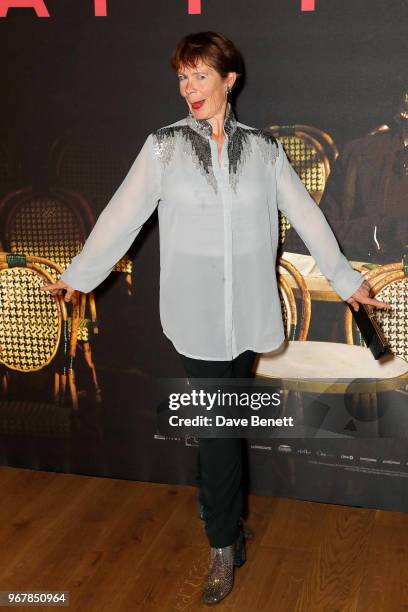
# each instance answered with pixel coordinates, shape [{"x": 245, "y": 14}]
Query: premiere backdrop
[{"x": 81, "y": 90}]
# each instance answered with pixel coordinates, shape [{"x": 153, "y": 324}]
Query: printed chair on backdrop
[
  {"x": 53, "y": 224},
  {"x": 311, "y": 152},
  {"x": 296, "y": 319},
  {"x": 331, "y": 367},
  {"x": 389, "y": 283},
  {"x": 34, "y": 331},
  {"x": 90, "y": 168}
]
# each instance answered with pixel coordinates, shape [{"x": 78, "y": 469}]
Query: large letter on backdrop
[
  {"x": 37, "y": 5},
  {"x": 194, "y": 7},
  {"x": 308, "y": 5},
  {"x": 100, "y": 8}
]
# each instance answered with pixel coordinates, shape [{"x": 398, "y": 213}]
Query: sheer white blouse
[{"x": 218, "y": 225}]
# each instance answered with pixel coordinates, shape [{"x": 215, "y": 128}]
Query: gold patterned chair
[
  {"x": 335, "y": 368},
  {"x": 53, "y": 224},
  {"x": 296, "y": 314},
  {"x": 92, "y": 169},
  {"x": 34, "y": 331},
  {"x": 296, "y": 318},
  {"x": 389, "y": 283},
  {"x": 324, "y": 138},
  {"x": 311, "y": 152}
]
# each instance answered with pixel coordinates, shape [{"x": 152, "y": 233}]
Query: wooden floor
[{"x": 122, "y": 545}]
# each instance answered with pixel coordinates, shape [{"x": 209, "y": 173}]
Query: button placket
[
  {"x": 229, "y": 252},
  {"x": 222, "y": 176}
]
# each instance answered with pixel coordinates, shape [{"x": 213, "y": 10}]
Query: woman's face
[{"x": 204, "y": 89}]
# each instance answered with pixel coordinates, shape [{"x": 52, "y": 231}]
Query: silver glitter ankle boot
[{"x": 220, "y": 578}]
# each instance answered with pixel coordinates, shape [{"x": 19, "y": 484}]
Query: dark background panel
[
  {"x": 337, "y": 67},
  {"x": 109, "y": 80}
]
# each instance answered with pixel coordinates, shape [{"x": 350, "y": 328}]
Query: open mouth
[{"x": 197, "y": 104}]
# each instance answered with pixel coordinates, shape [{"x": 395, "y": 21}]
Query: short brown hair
[{"x": 213, "y": 48}]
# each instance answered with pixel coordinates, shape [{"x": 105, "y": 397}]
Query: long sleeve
[
  {"x": 310, "y": 223},
  {"x": 118, "y": 224},
  {"x": 338, "y": 204}
]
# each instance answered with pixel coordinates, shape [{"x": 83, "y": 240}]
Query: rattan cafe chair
[
  {"x": 53, "y": 224},
  {"x": 331, "y": 368},
  {"x": 389, "y": 283},
  {"x": 34, "y": 332},
  {"x": 296, "y": 319},
  {"x": 296, "y": 314}
]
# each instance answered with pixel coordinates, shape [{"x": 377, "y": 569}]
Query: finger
[
  {"x": 68, "y": 295},
  {"x": 377, "y": 303},
  {"x": 366, "y": 289},
  {"x": 47, "y": 287},
  {"x": 56, "y": 291}
]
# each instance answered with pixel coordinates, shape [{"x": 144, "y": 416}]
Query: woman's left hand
[{"x": 363, "y": 296}]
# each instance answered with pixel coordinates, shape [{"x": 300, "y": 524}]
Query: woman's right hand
[{"x": 56, "y": 289}]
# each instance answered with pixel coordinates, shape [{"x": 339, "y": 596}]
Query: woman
[{"x": 218, "y": 184}]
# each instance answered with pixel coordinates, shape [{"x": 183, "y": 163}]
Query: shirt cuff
[
  {"x": 74, "y": 283},
  {"x": 347, "y": 283}
]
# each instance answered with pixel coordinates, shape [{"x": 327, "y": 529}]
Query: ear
[{"x": 231, "y": 78}]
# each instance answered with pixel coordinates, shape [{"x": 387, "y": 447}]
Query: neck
[
  {"x": 224, "y": 122},
  {"x": 217, "y": 122}
]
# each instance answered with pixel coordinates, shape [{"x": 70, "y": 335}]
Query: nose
[{"x": 189, "y": 88}]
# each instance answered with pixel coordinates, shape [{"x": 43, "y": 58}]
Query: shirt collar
[{"x": 204, "y": 127}]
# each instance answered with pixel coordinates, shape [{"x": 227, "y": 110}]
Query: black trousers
[{"x": 219, "y": 461}]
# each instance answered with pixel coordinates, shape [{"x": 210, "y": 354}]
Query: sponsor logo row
[{"x": 288, "y": 449}]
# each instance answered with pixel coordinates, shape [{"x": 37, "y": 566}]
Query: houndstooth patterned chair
[
  {"x": 389, "y": 284},
  {"x": 34, "y": 324},
  {"x": 53, "y": 224}
]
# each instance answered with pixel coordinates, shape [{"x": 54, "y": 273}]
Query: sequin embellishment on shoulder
[
  {"x": 193, "y": 145},
  {"x": 240, "y": 148},
  {"x": 268, "y": 145},
  {"x": 195, "y": 136}
]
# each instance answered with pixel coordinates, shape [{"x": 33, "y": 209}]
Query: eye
[{"x": 181, "y": 77}]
